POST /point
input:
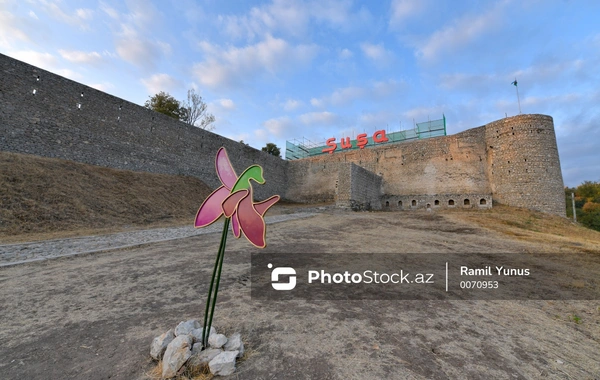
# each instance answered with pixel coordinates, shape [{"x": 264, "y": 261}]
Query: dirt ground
[{"x": 94, "y": 316}]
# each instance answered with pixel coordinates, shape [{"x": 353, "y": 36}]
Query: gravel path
[{"x": 13, "y": 254}]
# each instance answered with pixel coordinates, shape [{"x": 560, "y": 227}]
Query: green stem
[{"x": 211, "y": 301}]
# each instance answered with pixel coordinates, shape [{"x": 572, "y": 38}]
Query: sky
[{"x": 277, "y": 70}]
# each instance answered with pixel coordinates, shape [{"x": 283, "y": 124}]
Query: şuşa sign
[{"x": 361, "y": 141}]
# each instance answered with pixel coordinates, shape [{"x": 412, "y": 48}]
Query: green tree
[
  {"x": 164, "y": 103},
  {"x": 272, "y": 149},
  {"x": 588, "y": 190},
  {"x": 193, "y": 112},
  {"x": 587, "y": 204}
]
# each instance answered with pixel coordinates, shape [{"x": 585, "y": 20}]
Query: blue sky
[{"x": 278, "y": 70}]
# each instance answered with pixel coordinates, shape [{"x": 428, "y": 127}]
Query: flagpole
[{"x": 518, "y": 99}]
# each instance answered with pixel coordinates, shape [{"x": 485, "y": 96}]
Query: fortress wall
[
  {"x": 435, "y": 201},
  {"x": 112, "y": 132},
  {"x": 310, "y": 181},
  {"x": 366, "y": 188},
  {"x": 523, "y": 163},
  {"x": 358, "y": 188},
  {"x": 442, "y": 165},
  {"x": 515, "y": 159}
]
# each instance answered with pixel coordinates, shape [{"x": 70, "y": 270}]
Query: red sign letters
[{"x": 361, "y": 141}]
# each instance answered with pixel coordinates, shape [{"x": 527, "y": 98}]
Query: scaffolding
[{"x": 301, "y": 148}]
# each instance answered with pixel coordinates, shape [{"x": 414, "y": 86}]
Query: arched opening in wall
[
  {"x": 451, "y": 202},
  {"x": 387, "y": 204},
  {"x": 413, "y": 203},
  {"x": 429, "y": 205},
  {"x": 467, "y": 202},
  {"x": 400, "y": 204},
  {"x": 482, "y": 202},
  {"x": 436, "y": 202}
]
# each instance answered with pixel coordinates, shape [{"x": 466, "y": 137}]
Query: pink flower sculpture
[{"x": 234, "y": 199}]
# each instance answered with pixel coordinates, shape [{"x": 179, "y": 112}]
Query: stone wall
[
  {"x": 513, "y": 160},
  {"x": 441, "y": 165},
  {"x": 523, "y": 163},
  {"x": 436, "y": 201},
  {"x": 358, "y": 188},
  {"x": 47, "y": 115}
]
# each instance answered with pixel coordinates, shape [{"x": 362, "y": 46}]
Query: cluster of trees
[
  {"x": 191, "y": 111},
  {"x": 587, "y": 204}
]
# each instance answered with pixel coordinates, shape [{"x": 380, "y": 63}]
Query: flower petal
[
  {"x": 262, "y": 207},
  {"x": 235, "y": 225},
  {"x": 251, "y": 223},
  {"x": 211, "y": 208},
  {"x": 230, "y": 204},
  {"x": 224, "y": 169}
]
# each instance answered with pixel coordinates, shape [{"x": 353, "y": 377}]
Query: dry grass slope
[{"x": 42, "y": 196}]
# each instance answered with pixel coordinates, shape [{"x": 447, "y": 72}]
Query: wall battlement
[{"x": 512, "y": 161}]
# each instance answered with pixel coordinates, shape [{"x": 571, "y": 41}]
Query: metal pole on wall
[{"x": 574, "y": 212}]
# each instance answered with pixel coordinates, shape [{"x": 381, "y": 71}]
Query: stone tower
[{"x": 523, "y": 164}]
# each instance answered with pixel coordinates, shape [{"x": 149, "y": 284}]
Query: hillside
[{"x": 41, "y": 197}]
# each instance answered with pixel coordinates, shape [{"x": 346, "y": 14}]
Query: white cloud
[
  {"x": 45, "y": 61},
  {"x": 319, "y": 118},
  {"x": 227, "y": 104},
  {"x": 387, "y": 88},
  {"x": 316, "y": 102},
  {"x": 291, "y": 104},
  {"x": 33, "y": 15},
  {"x": 134, "y": 33},
  {"x": 401, "y": 10},
  {"x": 160, "y": 82},
  {"x": 548, "y": 73},
  {"x": 346, "y": 95},
  {"x": 376, "y": 53},
  {"x": 466, "y": 81},
  {"x": 424, "y": 113},
  {"x": 378, "y": 120},
  {"x": 76, "y": 56},
  {"x": 234, "y": 66},
  {"x": 14, "y": 29},
  {"x": 278, "y": 127},
  {"x": 79, "y": 18},
  {"x": 84, "y": 14},
  {"x": 111, "y": 12},
  {"x": 288, "y": 17},
  {"x": 134, "y": 48},
  {"x": 73, "y": 75},
  {"x": 293, "y": 18},
  {"x": 462, "y": 32},
  {"x": 36, "y": 58},
  {"x": 104, "y": 86},
  {"x": 346, "y": 54}
]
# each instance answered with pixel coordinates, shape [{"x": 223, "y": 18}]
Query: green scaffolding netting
[{"x": 302, "y": 148}]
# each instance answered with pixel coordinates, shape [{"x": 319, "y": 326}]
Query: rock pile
[{"x": 183, "y": 347}]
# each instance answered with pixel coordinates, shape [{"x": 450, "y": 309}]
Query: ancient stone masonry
[
  {"x": 523, "y": 165},
  {"x": 47, "y": 115},
  {"x": 358, "y": 188},
  {"x": 513, "y": 161}
]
